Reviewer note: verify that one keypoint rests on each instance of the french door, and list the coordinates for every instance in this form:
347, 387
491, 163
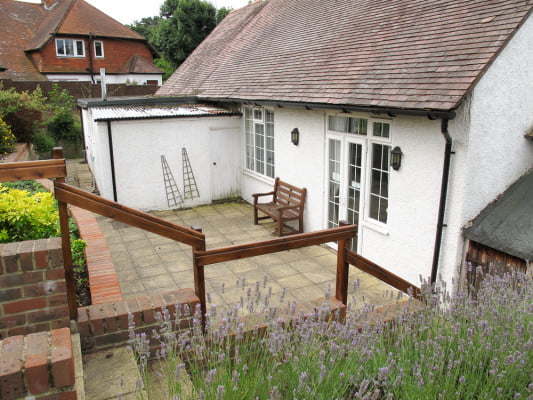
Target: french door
346, 161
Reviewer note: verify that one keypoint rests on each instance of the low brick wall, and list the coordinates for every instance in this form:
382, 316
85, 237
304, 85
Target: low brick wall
33, 294
40, 365
103, 326
103, 279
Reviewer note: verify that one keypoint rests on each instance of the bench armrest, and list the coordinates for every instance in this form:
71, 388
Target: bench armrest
257, 195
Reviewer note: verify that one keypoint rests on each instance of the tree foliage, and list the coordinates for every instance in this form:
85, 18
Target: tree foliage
179, 29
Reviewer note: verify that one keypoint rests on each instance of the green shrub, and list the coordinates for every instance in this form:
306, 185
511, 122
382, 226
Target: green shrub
43, 143
62, 126
7, 139
60, 99
29, 186
23, 112
77, 247
25, 216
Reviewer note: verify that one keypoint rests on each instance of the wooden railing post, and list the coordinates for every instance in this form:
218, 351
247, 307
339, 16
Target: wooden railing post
65, 243
199, 278
341, 286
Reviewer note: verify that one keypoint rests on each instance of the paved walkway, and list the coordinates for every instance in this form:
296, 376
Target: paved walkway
147, 263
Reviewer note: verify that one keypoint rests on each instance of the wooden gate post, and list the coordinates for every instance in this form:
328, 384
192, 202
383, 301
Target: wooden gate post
65, 244
199, 279
341, 286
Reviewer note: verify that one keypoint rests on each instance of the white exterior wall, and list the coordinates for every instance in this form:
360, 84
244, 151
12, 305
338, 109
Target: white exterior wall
490, 149
97, 153
137, 79
137, 149
405, 246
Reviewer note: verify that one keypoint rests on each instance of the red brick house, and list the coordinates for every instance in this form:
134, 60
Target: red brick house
70, 40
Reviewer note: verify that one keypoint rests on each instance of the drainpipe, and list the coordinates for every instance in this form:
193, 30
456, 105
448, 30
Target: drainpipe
112, 159
91, 67
443, 194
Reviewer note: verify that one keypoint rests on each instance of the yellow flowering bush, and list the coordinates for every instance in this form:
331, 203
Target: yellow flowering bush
7, 139
26, 216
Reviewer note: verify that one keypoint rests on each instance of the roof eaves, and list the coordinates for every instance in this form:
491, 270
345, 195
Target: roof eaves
377, 110
140, 100
222, 114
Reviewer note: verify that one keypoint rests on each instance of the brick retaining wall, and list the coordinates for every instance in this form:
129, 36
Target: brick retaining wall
33, 294
102, 326
40, 365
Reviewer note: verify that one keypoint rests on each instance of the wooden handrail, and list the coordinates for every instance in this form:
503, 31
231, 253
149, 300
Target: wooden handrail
274, 245
139, 219
66, 194
19, 171
382, 274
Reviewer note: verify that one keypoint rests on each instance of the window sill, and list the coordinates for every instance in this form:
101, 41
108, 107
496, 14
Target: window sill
259, 177
376, 227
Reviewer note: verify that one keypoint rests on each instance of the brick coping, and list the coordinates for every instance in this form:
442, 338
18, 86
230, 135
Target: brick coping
103, 279
21, 153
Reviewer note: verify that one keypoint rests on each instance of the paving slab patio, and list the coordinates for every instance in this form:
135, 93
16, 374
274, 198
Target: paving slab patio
146, 263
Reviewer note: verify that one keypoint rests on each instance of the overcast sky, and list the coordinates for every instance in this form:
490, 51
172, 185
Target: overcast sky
127, 11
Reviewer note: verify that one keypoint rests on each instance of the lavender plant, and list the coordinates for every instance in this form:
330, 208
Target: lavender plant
454, 347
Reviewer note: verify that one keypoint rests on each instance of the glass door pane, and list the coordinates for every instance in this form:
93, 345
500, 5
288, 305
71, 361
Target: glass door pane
354, 172
334, 182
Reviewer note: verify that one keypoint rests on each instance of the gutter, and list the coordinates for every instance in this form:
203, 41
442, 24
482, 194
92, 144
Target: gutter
391, 111
443, 196
112, 160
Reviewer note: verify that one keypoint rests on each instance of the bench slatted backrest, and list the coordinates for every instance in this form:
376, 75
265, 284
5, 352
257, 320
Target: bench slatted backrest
287, 194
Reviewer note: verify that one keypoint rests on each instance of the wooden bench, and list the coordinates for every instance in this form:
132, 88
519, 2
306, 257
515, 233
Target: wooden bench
287, 204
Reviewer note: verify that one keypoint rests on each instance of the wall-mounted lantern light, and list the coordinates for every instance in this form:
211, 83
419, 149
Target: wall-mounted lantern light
295, 136
396, 158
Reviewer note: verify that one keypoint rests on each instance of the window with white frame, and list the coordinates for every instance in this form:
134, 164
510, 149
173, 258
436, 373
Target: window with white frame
259, 132
98, 49
70, 48
355, 133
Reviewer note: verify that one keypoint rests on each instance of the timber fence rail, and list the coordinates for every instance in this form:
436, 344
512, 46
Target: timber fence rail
66, 194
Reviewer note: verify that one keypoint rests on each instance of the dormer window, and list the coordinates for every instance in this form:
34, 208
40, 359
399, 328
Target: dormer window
99, 49
70, 48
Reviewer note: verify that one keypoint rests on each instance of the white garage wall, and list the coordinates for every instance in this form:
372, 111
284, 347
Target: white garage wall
138, 146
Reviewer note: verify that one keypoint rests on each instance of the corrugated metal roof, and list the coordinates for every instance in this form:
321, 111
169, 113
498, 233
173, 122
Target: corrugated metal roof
156, 111
507, 223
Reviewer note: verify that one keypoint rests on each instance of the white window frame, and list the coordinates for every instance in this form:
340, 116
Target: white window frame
259, 154
101, 42
369, 139
75, 49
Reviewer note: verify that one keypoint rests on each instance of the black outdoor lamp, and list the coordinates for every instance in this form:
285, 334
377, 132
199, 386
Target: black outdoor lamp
396, 158
295, 136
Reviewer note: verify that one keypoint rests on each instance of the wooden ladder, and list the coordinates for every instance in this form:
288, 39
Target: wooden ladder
190, 189
174, 197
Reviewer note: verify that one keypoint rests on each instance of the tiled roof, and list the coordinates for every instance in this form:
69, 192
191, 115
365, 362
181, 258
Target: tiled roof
411, 54
77, 17
27, 26
19, 21
140, 65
